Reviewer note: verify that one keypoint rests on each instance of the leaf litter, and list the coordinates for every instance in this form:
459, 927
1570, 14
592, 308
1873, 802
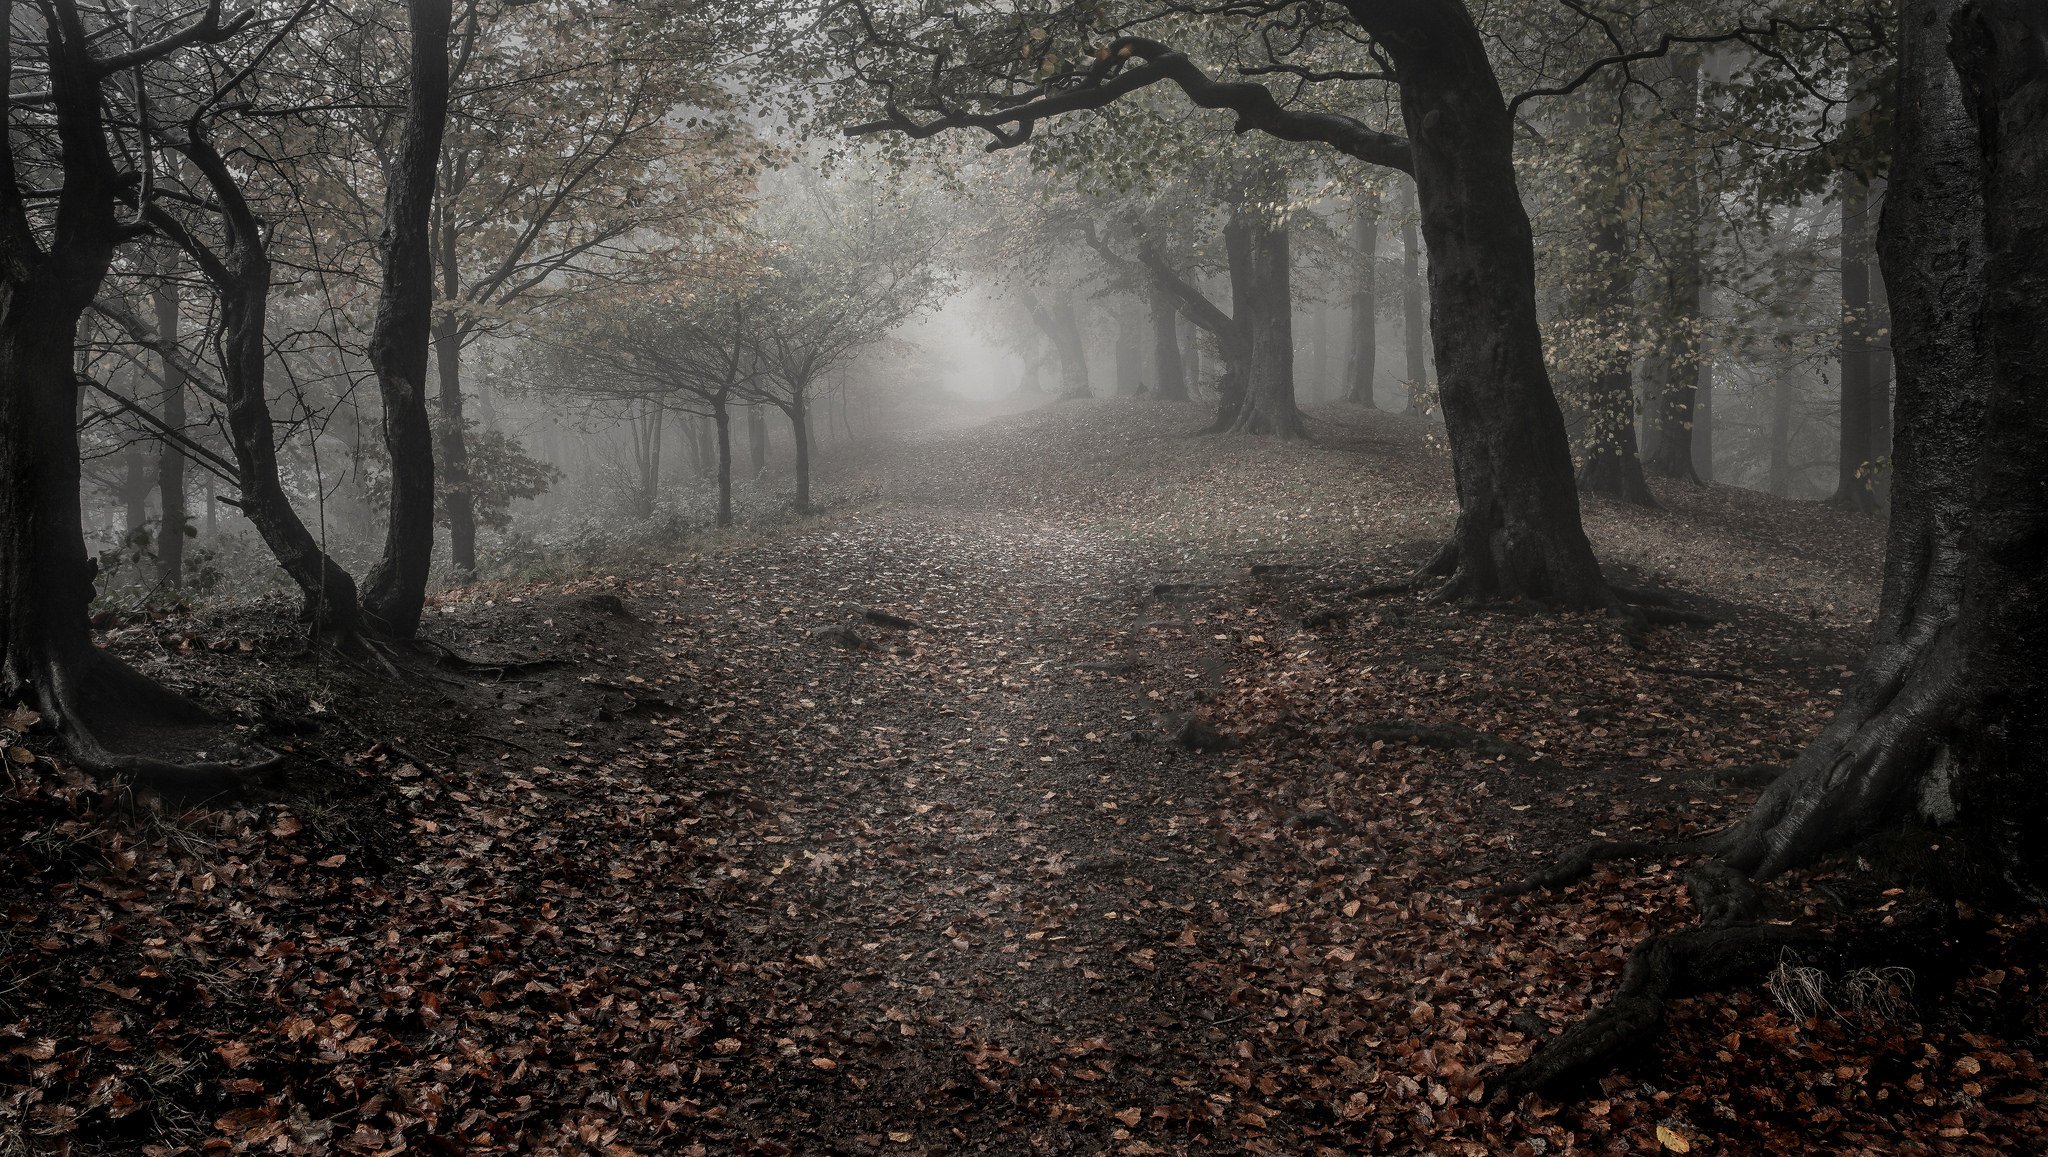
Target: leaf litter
721, 884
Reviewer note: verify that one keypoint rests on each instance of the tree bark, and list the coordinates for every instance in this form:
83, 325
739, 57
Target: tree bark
1168, 371
395, 594
1518, 532
1363, 362
1856, 477
1895, 750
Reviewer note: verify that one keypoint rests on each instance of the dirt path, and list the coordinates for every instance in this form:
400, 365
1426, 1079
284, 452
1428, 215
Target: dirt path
727, 884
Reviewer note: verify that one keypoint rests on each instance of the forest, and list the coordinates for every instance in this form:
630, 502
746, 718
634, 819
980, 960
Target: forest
1024, 576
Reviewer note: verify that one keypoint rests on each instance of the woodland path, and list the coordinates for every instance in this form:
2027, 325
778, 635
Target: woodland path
722, 884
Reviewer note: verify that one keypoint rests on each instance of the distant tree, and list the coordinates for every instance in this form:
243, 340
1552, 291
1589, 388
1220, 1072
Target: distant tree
841, 274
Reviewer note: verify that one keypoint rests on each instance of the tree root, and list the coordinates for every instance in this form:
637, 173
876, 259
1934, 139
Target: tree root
509, 669
882, 618
1577, 863
111, 717
1728, 950
1451, 736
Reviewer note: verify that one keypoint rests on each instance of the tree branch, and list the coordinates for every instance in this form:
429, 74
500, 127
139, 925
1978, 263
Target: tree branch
1113, 77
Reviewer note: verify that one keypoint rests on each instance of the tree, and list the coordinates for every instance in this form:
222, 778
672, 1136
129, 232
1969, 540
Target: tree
565, 156
53, 257
844, 273
1363, 361
1941, 727
396, 591
1518, 532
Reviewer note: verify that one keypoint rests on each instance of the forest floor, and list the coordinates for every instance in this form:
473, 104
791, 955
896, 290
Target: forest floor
753, 873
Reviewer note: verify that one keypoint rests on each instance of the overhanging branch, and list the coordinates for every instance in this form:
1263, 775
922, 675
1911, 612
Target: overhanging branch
1114, 76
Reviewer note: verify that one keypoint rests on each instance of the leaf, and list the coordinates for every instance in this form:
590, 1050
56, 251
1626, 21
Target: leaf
1673, 1140
20, 719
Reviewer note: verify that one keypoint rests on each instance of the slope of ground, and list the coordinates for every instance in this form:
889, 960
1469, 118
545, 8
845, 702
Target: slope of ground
756, 871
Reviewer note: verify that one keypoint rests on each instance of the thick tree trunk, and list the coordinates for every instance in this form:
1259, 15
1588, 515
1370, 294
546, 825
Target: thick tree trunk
458, 503
1267, 405
1999, 784
1518, 532
1856, 476
1168, 371
1363, 362
395, 594
1673, 389
1899, 746
1191, 356
722, 417
1414, 331
170, 464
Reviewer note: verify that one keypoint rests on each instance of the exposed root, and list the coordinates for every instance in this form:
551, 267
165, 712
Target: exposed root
1577, 863
1715, 958
117, 721
1195, 734
507, 669
882, 618
1451, 736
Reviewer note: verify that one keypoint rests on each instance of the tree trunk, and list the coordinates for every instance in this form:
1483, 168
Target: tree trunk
1130, 351
1611, 467
242, 278
799, 428
106, 711
1168, 370
1927, 729
1072, 347
1779, 480
1234, 333
170, 464
1414, 336
1363, 361
722, 417
458, 504
1518, 532
1318, 349
757, 440
1191, 356
1674, 388
137, 480
1267, 405
397, 588
1855, 479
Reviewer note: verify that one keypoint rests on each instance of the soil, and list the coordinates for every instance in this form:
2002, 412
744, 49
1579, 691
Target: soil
1108, 853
